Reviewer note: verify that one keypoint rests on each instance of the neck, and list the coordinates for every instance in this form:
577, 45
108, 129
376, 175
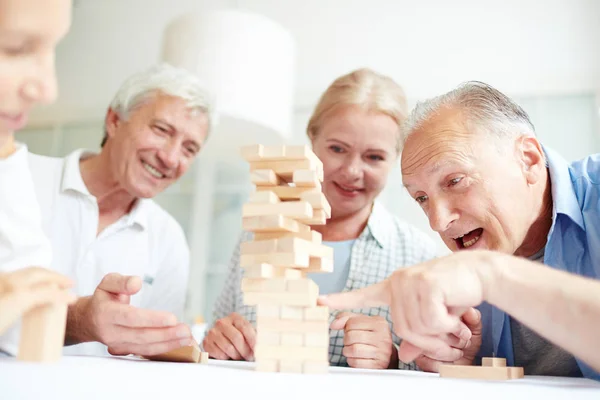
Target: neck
7, 145
113, 200
344, 227
536, 236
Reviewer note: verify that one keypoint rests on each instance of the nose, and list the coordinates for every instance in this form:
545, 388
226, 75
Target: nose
42, 86
440, 215
353, 169
169, 154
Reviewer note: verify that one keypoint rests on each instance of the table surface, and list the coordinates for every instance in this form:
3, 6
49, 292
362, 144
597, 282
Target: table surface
133, 378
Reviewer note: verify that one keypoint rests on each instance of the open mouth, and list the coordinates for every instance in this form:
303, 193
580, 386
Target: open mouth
153, 171
468, 239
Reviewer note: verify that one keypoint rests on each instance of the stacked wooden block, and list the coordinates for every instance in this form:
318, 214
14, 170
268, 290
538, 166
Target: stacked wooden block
292, 331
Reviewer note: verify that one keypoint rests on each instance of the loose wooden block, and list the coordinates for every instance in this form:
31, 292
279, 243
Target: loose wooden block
264, 196
272, 223
203, 357
285, 169
291, 326
288, 192
307, 178
266, 365
291, 353
292, 339
315, 367
480, 372
284, 299
189, 354
264, 177
290, 209
316, 339
312, 236
317, 313
319, 218
318, 201
268, 338
320, 264
288, 260
272, 285
43, 334
493, 362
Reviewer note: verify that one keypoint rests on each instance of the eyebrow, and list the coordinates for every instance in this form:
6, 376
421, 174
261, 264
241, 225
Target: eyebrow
348, 145
172, 128
434, 169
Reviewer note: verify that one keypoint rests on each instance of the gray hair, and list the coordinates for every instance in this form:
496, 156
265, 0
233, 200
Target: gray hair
483, 105
166, 79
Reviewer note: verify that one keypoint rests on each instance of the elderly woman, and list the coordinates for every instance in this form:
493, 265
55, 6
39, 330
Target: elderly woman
355, 131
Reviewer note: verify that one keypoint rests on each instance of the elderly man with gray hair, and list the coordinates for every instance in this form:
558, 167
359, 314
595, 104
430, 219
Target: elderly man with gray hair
505, 205
128, 257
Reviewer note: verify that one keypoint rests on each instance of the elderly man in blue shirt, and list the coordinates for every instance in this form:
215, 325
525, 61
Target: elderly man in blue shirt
472, 161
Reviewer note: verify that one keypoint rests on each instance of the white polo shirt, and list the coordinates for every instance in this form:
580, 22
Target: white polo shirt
148, 242
23, 242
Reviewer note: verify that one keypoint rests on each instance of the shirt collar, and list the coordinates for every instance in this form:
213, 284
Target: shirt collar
564, 200
379, 225
72, 181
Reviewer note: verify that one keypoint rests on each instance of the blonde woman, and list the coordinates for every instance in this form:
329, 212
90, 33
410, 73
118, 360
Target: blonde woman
29, 32
355, 131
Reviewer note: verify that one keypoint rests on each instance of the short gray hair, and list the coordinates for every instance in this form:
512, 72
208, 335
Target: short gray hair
166, 79
483, 105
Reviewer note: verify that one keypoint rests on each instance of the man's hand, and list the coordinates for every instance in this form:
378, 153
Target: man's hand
367, 341
107, 317
26, 289
469, 347
427, 301
231, 338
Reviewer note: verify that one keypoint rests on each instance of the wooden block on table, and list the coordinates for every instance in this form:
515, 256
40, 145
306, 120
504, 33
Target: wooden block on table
292, 339
493, 362
291, 326
272, 285
264, 197
291, 353
291, 366
318, 201
290, 209
264, 177
317, 313
316, 339
288, 260
319, 218
320, 264
203, 357
312, 236
307, 178
43, 334
272, 223
269, 271
266, 365
288, 192
284, 299
268, 338
189, 354
315, 367
480, 372
285, 169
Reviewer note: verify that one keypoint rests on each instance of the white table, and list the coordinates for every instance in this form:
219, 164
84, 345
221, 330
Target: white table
131, 378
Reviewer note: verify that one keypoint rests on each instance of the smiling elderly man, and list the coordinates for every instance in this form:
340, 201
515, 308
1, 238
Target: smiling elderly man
504, 204
128, 257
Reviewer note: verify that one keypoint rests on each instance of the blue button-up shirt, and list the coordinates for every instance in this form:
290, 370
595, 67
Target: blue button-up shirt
573, 243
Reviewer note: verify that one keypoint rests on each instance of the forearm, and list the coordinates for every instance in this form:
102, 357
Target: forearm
562, 307
77, 330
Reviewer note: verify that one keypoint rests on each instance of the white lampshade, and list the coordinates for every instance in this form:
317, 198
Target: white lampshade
248, 62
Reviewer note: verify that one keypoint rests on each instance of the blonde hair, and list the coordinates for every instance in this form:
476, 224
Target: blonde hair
367, 89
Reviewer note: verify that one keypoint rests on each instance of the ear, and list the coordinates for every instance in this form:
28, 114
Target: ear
531, 157
111, 122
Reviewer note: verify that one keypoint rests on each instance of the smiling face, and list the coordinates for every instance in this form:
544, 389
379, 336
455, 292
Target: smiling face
155, 145
29, 33
358, 149
475, 189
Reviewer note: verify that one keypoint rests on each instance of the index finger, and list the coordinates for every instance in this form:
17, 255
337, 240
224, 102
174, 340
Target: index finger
375, 295
132, 317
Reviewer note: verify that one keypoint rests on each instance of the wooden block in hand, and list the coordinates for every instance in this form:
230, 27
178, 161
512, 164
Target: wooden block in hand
189, 354
43, 334
480, 372
493, 362
290, 209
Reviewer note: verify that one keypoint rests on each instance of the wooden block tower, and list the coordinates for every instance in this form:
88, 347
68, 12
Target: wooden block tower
292, 331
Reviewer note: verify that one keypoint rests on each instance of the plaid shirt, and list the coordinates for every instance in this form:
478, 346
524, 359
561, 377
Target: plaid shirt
385, 245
